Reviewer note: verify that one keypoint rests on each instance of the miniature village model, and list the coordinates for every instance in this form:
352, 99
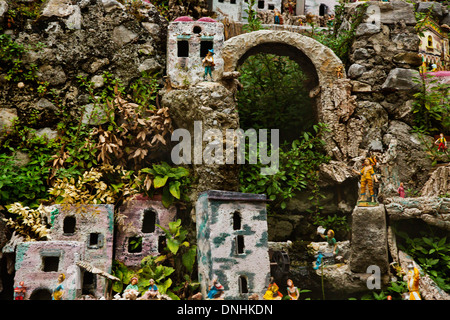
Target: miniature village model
86, 238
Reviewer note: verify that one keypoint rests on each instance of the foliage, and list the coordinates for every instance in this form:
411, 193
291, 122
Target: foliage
28, 222
181, 255
169, 179
432, 253
431, 105
395, 290
113, 185
253, 21
173, 267
430, 149
340, 40
274, 96
339, 224
298, 171
11, 54
135, 127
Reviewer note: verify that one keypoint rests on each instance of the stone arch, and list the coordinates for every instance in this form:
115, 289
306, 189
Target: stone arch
237, 49
329, 86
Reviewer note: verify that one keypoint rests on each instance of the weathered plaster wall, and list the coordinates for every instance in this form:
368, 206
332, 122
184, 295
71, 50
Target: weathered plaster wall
217, 247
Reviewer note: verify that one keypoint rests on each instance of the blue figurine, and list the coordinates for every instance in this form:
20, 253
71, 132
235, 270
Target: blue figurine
318, 261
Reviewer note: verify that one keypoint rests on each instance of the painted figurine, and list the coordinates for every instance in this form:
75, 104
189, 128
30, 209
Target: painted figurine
19, 291
58, 292
441, 142
413, 282
152, 292
132, 290
215, 290
318, 261
272, 292
208, 63
401, 190
292, 290
367, 177
276, 16
331, 240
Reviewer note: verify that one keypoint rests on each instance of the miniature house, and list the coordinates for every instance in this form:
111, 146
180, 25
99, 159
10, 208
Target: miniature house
232, 242
434, 47
78, 233
188, 43
39, 263
236, 9
144, 238
320, 7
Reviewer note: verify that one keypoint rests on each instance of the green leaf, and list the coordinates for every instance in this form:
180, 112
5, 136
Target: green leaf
160, 181
174, 188
173, 245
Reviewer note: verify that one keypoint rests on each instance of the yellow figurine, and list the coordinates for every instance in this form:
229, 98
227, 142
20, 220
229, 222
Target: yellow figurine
59, 290
272, 292
413, 282
367, 177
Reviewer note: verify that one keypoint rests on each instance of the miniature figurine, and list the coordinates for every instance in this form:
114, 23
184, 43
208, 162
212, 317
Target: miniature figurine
331, 240
318, 261
292, 290
441, 142
19, 291
152, 292
58, 292
367, 174
276, 15
132, 290
413, 282
215, 289
272, 292
401, 190
208, 63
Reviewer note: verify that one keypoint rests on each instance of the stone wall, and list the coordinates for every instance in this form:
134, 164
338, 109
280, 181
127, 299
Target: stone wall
80, 38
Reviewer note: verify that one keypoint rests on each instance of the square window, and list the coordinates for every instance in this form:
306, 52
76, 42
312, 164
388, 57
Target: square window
50, 263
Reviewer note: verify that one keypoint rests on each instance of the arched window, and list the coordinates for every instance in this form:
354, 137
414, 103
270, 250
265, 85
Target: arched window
430, 41
69, 224
237, 221
243, 285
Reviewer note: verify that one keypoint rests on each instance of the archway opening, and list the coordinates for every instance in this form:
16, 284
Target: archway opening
277, 79
41, 294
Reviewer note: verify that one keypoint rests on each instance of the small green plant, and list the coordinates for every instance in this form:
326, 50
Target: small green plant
432, 253
253, 21
298, 171
169, 180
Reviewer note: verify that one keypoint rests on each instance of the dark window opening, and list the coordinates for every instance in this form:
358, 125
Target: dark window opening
89, 283
240, 244
322, 9
233, 1
149, 221
243, 286
260, 4
183, 48
197, 29
236, 221
135, 244
94, 239
221, 1
271, 7
69, 225
41, 294
205, 46
50, 263
161, 243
